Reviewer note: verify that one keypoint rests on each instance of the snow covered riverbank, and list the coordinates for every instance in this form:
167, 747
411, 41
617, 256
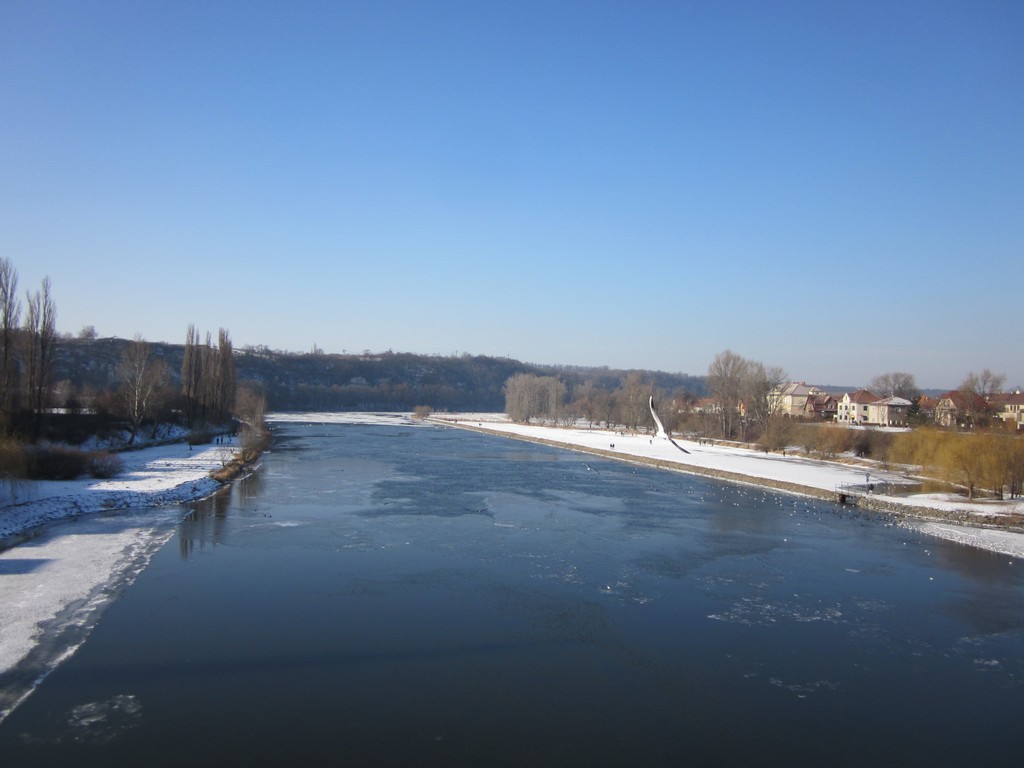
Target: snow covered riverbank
158, 476
63, 574
793, 474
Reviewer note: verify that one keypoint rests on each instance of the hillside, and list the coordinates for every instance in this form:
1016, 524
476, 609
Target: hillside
387, 381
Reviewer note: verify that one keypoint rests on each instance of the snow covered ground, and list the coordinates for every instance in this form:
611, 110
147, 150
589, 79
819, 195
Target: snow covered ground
167, 474
789, 472
55, 570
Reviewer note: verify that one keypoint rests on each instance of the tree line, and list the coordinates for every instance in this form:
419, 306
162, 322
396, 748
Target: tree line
145, 392
731, 381
989, 460
28, 335
531, 396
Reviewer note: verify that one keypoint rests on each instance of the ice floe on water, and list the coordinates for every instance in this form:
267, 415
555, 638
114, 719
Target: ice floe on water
350, 417
757, 610
99, 722
803, 690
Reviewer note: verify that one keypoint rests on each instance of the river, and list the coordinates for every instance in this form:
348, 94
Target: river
413, 595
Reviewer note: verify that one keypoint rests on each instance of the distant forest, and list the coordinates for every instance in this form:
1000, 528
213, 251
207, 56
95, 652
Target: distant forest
386, 381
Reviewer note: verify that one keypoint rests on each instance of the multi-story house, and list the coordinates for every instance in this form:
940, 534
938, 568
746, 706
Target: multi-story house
956, 408
889, 412
792, 399
853, 407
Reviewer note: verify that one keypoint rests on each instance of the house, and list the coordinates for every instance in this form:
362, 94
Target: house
821, 407
853, 408
889, 412
1009, 407
956, 408
926, 407
707, 405
791, 398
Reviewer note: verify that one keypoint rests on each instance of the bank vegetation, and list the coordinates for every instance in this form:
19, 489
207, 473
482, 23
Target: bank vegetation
59, 431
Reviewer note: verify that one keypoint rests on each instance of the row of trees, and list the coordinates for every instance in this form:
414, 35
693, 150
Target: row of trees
208, 378
531, 396
733, 380
144, 391
208, 383
990, 461
26, 351
528, 396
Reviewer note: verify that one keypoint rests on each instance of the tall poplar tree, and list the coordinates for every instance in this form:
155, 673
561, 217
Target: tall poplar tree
39, 340
191, 376
10, 316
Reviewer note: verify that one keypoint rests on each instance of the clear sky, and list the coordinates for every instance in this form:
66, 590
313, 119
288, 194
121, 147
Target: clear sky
833, 188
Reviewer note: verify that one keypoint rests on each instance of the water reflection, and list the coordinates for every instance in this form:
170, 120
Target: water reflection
909, 488
978, 565
207, 523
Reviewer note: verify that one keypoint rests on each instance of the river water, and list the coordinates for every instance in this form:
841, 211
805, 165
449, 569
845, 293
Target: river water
408, 595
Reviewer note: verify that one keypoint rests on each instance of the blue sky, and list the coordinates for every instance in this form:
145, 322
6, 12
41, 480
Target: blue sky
834, 188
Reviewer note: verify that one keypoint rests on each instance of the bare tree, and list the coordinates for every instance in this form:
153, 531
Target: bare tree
552, 397
528, 395
895, 384
634, 398
984, 384
208, 376
191, 375
226, 380
39, 339
584, 401
10, 315
760, 381
251, 408
606, 406
977, 389
143, 380
726, 375
521, 397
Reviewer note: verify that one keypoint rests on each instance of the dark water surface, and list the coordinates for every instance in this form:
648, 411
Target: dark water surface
415, 596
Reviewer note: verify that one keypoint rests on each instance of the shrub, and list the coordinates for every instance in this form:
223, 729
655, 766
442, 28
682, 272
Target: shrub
833, 440
872, 444
104, 466
200, 437
55, 463
806, 436
777, 434
13, 463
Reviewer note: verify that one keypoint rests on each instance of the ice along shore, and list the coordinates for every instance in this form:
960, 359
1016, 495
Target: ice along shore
68, 546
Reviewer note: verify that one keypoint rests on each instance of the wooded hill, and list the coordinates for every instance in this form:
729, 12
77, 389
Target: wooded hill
386, 381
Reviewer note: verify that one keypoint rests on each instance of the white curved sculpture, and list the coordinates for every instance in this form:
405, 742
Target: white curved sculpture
661, 429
